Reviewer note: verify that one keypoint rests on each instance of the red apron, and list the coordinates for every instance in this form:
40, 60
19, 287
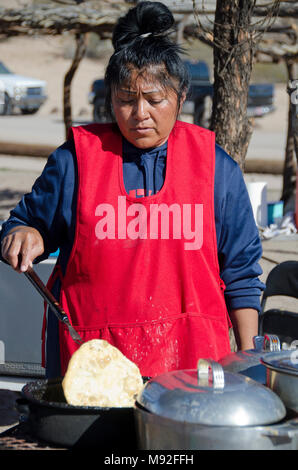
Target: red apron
143, 272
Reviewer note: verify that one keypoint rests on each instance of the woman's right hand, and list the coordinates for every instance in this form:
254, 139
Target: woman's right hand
21, 246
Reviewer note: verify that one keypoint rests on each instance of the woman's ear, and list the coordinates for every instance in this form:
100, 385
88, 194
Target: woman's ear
181, 102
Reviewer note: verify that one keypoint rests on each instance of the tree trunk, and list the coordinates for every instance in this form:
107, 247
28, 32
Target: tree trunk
79, 54
233, 54
289, 171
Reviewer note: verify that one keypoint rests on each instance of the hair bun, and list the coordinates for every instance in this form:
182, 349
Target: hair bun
146, 17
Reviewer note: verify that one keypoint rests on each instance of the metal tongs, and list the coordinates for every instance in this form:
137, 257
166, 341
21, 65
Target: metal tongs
52, 302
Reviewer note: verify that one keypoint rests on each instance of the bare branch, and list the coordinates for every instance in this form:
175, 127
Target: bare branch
50, 20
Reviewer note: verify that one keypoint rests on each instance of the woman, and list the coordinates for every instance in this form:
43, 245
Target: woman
151, 217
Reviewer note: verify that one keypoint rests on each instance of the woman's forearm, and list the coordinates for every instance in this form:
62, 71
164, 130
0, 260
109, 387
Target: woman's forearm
245, 325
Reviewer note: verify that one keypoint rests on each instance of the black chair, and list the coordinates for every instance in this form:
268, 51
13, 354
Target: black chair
282, 280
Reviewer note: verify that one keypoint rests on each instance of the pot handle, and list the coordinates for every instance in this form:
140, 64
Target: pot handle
210, 371
267, 342
289, 431
271, 342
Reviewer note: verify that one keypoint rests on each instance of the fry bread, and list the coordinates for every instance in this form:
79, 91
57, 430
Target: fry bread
98, 374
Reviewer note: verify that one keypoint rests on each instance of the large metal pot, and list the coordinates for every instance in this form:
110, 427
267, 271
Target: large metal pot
52, 420
210, 408
282, 376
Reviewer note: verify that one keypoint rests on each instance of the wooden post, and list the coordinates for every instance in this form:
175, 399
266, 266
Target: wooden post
233, 54
289, 170
79, 54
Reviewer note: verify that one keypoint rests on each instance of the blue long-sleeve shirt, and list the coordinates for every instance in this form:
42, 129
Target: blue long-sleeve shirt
51, 208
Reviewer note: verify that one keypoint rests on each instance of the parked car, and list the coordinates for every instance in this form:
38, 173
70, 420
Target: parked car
96, 97
198, 103
25, 93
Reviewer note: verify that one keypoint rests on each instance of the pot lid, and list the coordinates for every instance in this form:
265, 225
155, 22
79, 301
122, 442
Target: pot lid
248, 362
211, 396
283, 361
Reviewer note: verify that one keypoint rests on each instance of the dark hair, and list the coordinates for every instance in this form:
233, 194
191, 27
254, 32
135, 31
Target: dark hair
141, 41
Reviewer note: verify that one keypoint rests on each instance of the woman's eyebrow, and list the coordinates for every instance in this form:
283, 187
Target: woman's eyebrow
130, 92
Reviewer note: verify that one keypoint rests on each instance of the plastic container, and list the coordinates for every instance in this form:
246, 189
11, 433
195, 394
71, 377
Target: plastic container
275, 212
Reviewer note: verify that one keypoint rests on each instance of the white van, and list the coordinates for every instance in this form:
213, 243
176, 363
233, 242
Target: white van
24, 93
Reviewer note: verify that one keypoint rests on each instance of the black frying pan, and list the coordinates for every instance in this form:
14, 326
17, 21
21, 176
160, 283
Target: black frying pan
51, 419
